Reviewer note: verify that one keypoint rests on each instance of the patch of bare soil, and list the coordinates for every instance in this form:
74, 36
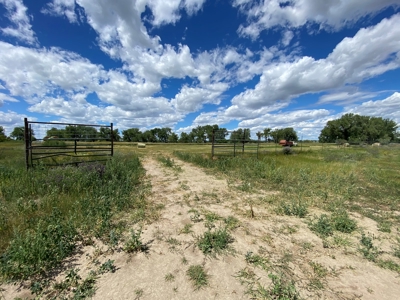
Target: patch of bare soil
270, 256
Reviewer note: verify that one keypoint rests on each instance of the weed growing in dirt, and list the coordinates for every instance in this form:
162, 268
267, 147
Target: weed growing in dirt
108, 266
390, 265
294, 208
134, 243
197, 276
168, 162
369, 251
231, 223
385, 226
169, 277
187, 229
215, 242
396, 251
342, 222
322, 226
257, 260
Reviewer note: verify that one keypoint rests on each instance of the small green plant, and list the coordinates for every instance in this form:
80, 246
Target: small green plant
198, 276
72, 277
36, 288
342, 222
390, 265
322, 226
187, 229
108, 266
87, 288
281, 289
256, 260
369, 251
396, 251
135, 244
184, 261
231, 223
294, 208
169, 277
385, 226
214, 241
139, 293
168, 162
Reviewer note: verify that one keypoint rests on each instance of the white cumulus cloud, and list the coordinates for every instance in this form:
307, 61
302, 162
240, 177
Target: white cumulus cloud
21, 28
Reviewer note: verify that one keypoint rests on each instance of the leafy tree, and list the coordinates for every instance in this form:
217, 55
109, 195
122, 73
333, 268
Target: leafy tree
19, 134
288, 134
132, 135
356, 128
240, 135
173, 138
163, 134
105, 134
267, 133
185, 138
60, 133
2, 134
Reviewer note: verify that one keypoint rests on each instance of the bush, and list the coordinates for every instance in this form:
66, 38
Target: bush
342, 222
322, 226
287, 150
54, 143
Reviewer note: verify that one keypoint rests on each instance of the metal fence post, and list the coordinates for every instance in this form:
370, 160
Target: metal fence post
112, 140
26, 137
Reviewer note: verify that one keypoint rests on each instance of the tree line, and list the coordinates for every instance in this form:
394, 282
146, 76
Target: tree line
350, 128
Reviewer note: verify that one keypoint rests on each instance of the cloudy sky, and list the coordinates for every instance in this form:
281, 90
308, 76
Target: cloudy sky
183, 63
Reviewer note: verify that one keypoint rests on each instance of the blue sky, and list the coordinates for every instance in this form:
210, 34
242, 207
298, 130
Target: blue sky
184, 63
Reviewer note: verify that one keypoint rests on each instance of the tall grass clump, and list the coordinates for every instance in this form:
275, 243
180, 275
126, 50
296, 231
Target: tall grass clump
53, 208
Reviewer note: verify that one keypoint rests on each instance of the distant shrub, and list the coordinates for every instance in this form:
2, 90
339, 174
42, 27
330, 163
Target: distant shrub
287, 150
54, 143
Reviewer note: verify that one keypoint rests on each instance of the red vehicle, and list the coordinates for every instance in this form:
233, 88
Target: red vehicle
285, 143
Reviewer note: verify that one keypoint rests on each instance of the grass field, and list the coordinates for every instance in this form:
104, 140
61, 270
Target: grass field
46, 214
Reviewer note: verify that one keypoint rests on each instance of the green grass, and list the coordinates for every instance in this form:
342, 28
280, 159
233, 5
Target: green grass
215, 242
44, 212
316, 178
197, 276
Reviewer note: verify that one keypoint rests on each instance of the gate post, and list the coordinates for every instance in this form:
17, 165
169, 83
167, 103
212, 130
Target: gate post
26, 137
213, 141
112, 140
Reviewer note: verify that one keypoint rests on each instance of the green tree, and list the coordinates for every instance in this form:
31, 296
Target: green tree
173, 138
132, 135
60, 133
267, 133
2, 134
185, 138
356, 128
288, 134
240, 135
19, 134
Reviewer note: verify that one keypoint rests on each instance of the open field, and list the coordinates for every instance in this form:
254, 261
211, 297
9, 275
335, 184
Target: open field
169, 222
